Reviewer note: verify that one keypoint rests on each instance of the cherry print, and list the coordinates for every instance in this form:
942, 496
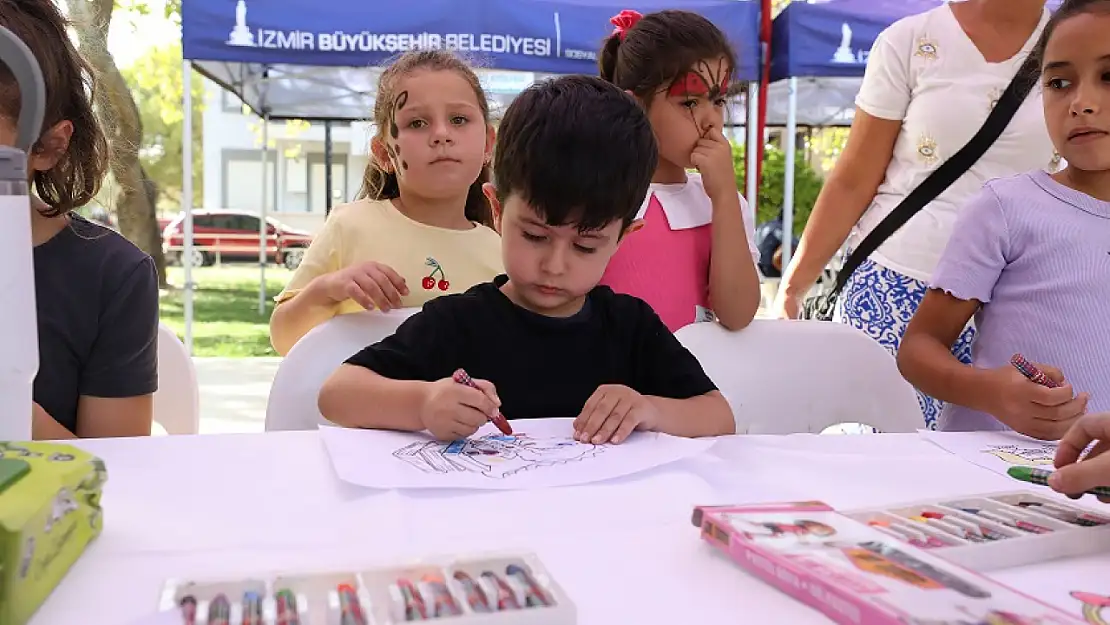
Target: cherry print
429, 281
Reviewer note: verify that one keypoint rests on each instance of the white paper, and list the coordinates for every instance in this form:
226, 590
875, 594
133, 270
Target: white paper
996, 451
1080, 586
540, 453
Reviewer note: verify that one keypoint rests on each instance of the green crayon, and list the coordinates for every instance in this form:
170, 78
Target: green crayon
1040, 478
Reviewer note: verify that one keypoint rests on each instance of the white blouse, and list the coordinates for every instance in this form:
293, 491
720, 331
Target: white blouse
926, 72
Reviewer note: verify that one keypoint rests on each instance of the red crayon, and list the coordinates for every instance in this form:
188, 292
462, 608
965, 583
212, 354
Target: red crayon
462, 377
1031, 371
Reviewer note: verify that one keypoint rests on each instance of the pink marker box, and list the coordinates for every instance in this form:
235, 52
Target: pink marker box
858, 575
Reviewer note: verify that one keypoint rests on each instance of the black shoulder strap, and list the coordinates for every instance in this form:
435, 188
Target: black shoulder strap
949, 171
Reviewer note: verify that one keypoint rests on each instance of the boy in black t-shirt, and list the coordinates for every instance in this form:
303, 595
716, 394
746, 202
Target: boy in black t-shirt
573, 162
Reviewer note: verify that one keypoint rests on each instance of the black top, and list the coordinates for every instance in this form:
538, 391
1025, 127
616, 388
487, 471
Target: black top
541, 366
97, 298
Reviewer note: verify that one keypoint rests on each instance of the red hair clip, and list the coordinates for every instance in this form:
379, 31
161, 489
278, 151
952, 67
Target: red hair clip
624, 21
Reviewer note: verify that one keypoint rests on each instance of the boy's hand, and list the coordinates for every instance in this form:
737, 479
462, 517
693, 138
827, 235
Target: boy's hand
1034, 410
452, 411
612, 413
712, 156
371, 284
1076, 476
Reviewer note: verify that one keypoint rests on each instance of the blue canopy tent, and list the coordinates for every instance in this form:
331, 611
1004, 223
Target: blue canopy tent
819, 53
319, 60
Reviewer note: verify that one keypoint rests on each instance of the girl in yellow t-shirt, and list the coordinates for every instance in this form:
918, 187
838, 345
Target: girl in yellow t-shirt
421, 228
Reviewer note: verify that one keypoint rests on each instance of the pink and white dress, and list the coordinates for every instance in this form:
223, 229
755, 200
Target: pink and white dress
666, 262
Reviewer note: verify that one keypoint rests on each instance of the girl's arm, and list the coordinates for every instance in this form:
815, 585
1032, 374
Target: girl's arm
925, 356
734, 291
296, 316
304, 303
846, 195
45, 428
704, 415
99, 417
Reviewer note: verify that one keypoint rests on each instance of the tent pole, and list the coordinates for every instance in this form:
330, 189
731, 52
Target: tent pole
327, 168
187, 199
264, 235
751, 152
790, 141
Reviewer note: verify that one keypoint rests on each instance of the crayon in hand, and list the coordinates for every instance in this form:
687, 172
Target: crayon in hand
1040, 478
1030, 371
498, 419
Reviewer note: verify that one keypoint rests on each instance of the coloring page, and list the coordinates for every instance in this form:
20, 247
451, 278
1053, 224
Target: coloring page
996, 451
1079, 586
540, 453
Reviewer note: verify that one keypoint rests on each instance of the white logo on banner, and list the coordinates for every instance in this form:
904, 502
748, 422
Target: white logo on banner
241, 34
845, 54
365, 41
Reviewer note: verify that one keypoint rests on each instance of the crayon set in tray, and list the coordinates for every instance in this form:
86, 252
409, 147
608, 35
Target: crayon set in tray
997, 531
512, 590
912, 563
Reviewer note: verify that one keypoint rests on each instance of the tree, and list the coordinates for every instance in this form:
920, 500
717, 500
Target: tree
119, 116
155, 81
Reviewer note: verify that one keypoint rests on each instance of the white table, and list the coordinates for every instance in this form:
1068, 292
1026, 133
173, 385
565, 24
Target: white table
211, 505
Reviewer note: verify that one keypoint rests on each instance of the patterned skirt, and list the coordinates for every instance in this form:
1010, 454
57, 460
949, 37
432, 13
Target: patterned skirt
881, 302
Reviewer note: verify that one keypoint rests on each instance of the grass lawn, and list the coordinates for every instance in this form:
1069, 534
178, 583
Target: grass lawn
225, 309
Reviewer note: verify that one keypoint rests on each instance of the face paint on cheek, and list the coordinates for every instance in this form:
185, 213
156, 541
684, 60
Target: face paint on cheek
398, 104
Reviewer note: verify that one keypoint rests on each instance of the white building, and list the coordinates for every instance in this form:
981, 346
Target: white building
295, 180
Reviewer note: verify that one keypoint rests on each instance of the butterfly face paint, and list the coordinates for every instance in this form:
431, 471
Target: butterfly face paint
392, 147
706, 79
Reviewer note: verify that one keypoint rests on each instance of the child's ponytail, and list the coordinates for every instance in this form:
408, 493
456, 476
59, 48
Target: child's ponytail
380, 184
607, 60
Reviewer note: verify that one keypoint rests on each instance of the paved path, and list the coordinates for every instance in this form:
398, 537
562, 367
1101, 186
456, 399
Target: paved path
233, 393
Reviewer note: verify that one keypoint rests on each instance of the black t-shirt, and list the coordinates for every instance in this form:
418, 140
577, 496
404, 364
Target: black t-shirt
97, 298
541, 366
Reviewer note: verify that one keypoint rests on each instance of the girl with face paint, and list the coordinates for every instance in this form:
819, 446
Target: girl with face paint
692, 256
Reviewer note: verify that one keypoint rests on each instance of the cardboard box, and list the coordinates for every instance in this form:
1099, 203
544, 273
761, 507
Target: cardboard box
49, 513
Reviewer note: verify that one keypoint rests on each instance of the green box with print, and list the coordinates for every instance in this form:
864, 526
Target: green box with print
49, 513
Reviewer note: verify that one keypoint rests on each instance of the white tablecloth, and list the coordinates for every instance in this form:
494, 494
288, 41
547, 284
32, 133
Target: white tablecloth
211, 505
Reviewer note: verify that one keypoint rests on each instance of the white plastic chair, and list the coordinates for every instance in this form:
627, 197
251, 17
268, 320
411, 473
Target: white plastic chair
292, 402
784, 377
177, 400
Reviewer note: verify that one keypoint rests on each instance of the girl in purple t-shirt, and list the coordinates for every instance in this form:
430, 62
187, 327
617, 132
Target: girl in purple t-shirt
1030, 259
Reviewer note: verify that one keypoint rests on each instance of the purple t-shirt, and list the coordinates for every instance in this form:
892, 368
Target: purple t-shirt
1037, 254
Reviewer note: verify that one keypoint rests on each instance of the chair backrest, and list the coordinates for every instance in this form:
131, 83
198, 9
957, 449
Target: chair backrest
784, 377
292, 403
177, 400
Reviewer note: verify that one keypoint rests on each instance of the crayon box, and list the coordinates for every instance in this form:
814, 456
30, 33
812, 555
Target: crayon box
49, 512
863, 574
486, 589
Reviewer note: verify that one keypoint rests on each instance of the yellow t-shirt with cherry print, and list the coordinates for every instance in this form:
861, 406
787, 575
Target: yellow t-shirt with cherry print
433, 261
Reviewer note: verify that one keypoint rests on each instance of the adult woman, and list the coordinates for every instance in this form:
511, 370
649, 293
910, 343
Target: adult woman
931, 81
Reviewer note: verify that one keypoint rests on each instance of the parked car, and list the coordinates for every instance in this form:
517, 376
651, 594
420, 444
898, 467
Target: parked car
228, 235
